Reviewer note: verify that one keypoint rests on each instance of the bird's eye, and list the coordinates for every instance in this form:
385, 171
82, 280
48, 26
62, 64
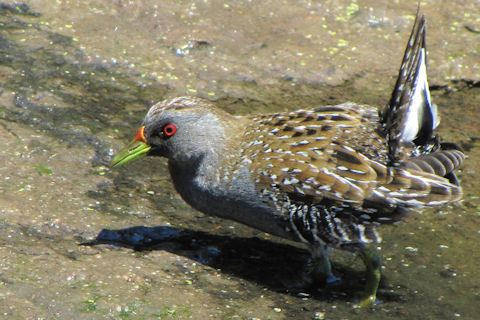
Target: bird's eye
169, 130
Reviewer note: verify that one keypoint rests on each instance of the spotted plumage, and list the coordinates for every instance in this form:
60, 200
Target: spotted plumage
327, 176
326, 170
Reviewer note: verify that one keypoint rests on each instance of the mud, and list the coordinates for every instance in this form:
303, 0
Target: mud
80, 241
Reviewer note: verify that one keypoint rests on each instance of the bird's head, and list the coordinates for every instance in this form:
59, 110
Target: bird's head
182, 129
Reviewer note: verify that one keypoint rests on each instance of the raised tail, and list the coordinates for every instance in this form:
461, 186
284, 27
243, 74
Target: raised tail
423, 172
409, 120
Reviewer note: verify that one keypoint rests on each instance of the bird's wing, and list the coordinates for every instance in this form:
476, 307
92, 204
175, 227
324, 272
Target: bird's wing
315, 154
333, 153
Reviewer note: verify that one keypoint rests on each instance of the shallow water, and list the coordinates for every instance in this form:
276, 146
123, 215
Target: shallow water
76, 80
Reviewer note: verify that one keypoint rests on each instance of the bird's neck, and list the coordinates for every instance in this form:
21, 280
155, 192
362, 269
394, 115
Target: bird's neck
223, 187
235, 198
204, 178
210, 182
200, 184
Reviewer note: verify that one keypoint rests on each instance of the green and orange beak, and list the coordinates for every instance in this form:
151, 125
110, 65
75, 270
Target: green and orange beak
135, 150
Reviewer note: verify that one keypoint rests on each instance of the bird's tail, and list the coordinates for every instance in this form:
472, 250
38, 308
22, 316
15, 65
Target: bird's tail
422, 168
410, 118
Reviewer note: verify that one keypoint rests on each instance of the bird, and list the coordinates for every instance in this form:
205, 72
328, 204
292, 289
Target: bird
326, 177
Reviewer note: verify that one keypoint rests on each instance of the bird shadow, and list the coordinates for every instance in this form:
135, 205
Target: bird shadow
276, 266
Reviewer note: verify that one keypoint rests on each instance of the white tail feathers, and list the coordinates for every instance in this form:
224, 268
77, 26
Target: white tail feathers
410, 118
419, 112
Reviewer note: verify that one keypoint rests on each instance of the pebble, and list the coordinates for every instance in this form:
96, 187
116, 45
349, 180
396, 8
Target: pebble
319, 315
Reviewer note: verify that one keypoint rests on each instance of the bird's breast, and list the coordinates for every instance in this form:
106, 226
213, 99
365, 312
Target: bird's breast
236, 199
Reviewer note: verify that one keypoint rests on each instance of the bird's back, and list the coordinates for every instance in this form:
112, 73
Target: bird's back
329, 166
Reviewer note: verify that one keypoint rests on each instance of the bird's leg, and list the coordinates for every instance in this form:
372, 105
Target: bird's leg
373, 264
319, 268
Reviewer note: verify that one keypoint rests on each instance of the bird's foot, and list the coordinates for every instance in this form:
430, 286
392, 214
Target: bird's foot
318, 271
373, 265
331, 280
368, 301
319, 268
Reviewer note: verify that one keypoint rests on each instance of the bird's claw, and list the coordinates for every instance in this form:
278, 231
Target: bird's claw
368, 302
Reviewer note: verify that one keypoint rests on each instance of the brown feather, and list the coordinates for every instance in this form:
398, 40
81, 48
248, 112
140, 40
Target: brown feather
334, 152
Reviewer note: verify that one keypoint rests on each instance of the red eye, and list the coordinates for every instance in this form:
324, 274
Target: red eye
169, 130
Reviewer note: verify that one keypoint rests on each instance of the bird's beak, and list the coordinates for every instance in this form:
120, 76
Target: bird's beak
135, 150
